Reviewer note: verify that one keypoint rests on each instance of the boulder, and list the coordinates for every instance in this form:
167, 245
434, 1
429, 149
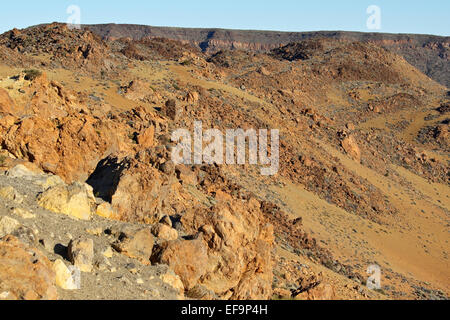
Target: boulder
187, 258
138, 90
239, 244
136, 190
138, 245
75, 200
64, 277
105, 210
81, 254
172, 280
70, 149
8, 226
164, 232
21, 171
351, 148
146, 139
38, 177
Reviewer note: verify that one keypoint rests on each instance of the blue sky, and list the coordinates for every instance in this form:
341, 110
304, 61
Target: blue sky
397, 16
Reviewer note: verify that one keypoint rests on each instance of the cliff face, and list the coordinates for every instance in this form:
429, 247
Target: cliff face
430, 54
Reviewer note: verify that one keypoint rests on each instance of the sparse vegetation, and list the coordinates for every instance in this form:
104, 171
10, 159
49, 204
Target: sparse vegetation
2, 160
186, 62
32, 74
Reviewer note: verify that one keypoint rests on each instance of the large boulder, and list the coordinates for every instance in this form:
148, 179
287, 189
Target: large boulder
81, 253
187, 258
75, 200
136, 190
136, 245
70, 147
64, 277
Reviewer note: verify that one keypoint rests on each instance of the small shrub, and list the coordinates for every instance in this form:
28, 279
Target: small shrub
2, 160
32, 74
186, 62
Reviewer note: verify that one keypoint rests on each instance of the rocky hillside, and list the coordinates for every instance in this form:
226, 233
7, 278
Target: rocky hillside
429, 54
87, 180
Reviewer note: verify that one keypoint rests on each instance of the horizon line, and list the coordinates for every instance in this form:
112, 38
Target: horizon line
237, 29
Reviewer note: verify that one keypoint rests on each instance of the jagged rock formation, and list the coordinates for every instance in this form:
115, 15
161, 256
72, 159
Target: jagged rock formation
428, 53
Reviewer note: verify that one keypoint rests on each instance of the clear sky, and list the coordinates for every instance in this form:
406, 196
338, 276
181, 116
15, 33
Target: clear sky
397, 16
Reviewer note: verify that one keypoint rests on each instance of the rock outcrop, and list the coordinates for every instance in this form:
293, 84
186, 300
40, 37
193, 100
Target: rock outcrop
137, 190
231, 256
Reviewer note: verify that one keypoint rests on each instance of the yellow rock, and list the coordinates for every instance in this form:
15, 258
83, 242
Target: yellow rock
164, 232
105, 210
81, 253
11, 194
96, 232
74, 200
49, 181
7, 226
21, 171
173, 280
64, 278
25, 214
108, 253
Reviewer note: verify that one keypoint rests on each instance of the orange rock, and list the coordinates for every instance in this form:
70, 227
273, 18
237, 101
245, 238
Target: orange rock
137, 246
6, 103
138, 90
351, 148
321, 292
164, 232
25, 273
192, 97
186, 175
137, 191
239, 243
146, 138
186, 258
